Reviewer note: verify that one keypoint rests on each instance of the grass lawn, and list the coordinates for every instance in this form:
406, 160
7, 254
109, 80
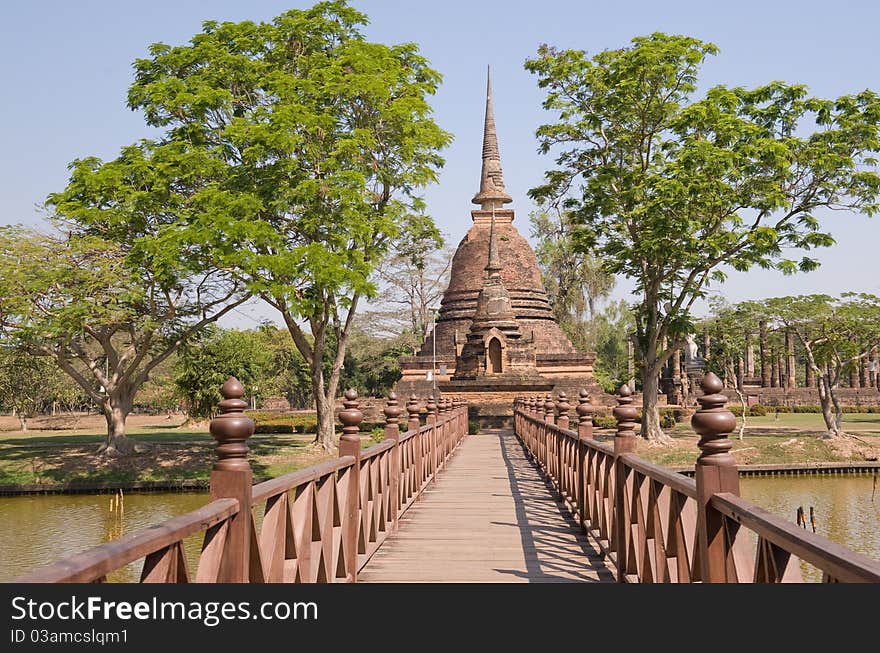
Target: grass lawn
54, 456
792, 438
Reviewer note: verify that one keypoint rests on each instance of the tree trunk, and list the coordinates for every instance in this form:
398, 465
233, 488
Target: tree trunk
326, 435
765, 352
742, 402
22, 420
827, 402
774, 371
116, 410
651, 429
838, 411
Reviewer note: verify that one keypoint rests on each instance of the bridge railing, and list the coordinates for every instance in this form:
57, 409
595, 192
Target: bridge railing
655, 525
319, 525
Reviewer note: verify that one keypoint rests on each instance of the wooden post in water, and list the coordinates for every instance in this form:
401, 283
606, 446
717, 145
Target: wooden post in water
350, 445
624, 442
715, 471
392, 432
232, 478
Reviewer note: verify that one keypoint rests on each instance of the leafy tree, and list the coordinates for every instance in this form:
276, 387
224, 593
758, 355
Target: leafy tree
608, 334
205, 363
836, 334
324, 139
160, 394
106, 312
668, 189
728, 328
371, 363
287, 373
574, 278
28, 383
412, 278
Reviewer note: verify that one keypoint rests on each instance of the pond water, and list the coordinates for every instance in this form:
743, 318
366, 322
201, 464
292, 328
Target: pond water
38, 529
846, 507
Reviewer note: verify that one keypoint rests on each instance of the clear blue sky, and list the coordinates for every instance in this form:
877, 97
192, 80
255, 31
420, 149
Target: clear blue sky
66, 66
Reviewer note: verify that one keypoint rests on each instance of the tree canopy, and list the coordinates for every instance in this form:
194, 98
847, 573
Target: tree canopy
97, 302
671, 188
322, 140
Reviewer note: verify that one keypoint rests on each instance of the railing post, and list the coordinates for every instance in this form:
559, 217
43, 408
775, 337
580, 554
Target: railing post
585, 432
350, 445
715, 471
392, 432
549, 407
412, 409
562, 408
232, 478
624, 442
462, 419
443, 425
550, 458
416, 446
432, 438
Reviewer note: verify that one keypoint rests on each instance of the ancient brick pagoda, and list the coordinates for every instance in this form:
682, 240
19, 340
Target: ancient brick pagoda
496, 336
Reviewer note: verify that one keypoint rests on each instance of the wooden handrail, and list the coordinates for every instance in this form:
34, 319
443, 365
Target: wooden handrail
97, 562
673, 528
678, 482
376, 449
287, 482
321, 524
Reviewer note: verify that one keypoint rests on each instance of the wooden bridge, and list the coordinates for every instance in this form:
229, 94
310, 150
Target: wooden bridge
542, 503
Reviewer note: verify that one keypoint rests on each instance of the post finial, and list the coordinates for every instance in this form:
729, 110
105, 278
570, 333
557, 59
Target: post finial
625, 413
232, 428
392, 410
584, 410
351, 417
713, 423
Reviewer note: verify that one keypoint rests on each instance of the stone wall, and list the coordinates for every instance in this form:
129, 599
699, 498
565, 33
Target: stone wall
805, 396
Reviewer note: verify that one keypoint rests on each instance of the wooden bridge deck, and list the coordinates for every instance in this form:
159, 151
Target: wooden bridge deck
490, 517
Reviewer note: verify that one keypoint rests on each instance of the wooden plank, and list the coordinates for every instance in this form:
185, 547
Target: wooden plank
490, 517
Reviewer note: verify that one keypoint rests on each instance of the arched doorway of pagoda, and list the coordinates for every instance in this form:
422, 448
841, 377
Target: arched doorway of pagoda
495, 365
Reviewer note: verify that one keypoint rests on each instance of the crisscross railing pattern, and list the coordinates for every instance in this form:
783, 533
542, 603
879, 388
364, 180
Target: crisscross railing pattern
319, 525
658, 526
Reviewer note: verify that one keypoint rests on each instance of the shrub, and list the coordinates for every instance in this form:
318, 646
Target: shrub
757, 410
473, 426
604, 422
270, 427
378, 434
780, 409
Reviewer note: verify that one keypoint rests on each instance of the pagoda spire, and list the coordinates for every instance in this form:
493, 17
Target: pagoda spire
493, 267
492, 193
